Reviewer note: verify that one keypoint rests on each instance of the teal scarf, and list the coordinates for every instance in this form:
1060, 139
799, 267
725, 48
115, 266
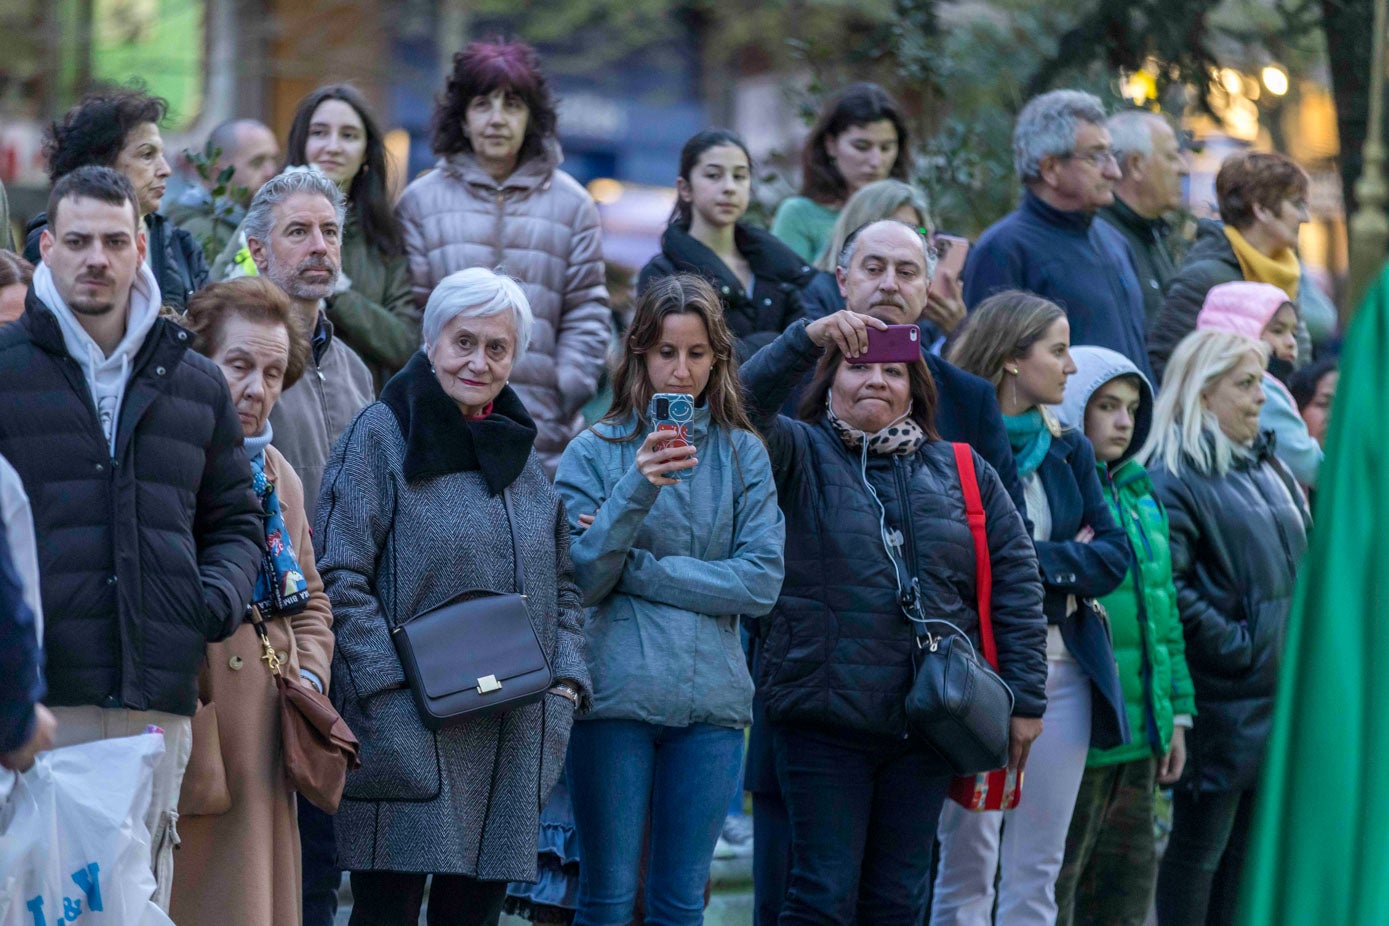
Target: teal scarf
1031, 439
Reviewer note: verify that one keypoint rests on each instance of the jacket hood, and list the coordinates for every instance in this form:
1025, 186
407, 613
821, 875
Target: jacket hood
1240, 308
1096, 366
529, 174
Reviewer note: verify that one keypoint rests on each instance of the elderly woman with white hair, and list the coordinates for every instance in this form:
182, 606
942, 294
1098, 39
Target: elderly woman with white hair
432, 494
1239, 528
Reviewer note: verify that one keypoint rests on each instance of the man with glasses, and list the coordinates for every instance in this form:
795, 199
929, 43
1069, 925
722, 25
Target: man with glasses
1263, 202
1153, 167
1050, 245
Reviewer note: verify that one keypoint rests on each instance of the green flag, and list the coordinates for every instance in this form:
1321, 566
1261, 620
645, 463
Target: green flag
1319, 853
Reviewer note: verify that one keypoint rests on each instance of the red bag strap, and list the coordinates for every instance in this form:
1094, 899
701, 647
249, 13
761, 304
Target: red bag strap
983, 571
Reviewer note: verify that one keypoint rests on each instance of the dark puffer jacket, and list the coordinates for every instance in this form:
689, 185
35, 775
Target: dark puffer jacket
838, 649
145, 556
1236, 543
176, 258
778, 276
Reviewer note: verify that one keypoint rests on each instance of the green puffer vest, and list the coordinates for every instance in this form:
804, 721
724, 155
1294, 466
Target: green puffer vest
1148, 642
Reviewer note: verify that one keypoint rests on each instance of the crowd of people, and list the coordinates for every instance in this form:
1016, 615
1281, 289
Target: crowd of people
292, 424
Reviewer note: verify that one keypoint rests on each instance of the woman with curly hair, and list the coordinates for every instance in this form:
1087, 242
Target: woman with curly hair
497, 198
860, 138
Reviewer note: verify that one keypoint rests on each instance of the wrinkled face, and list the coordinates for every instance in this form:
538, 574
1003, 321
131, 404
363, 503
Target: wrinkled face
142, 161
1166, 167
864, 154
1282, 224
1280, 334
1083, 180
473, 358
1318, 411
337, 142
683, 358
94, 250
719, 186
1236, 399
1110, 418
870, 396
304, 253
495, 126
256, 158
12, 302
887, 276
253, 357
1044, 369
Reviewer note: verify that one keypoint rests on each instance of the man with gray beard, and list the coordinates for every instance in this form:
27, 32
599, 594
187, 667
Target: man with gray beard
294, 233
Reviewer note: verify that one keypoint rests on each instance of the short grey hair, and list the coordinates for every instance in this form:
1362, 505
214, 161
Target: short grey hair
477, 293
1046, 127
260, 216
1131, 132
846, 254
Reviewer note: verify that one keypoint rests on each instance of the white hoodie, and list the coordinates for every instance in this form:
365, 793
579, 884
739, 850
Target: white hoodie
106, 375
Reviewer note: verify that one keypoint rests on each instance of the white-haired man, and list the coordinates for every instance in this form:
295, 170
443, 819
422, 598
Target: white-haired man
1050, 245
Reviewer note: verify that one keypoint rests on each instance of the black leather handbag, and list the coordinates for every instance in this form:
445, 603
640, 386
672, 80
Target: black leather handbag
475, 654
957, 702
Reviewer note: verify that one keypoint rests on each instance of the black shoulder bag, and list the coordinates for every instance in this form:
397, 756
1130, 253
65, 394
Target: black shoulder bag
475, 654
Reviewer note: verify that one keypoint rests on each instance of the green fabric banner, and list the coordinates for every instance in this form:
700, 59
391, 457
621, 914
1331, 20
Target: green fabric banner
1319, 853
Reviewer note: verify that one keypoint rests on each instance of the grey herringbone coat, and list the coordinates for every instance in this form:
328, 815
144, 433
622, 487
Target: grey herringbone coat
407, 519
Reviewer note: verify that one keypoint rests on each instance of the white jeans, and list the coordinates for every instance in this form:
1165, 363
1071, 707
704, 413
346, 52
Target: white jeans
1034, 841
88, 724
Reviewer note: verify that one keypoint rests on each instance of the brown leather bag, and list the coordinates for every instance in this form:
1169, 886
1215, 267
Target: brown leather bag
319, 749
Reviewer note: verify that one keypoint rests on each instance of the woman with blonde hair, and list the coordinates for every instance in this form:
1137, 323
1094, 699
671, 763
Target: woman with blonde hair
886, 199
1239, 527
1021, 344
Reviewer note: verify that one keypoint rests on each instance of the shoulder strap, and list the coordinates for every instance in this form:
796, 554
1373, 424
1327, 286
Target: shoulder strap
983, 570
515, 547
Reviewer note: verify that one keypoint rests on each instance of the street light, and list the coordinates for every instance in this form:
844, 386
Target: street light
1275, 79
1369, 227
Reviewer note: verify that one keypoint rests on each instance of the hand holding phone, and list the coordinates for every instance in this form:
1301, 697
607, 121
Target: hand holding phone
893, 344
669, 455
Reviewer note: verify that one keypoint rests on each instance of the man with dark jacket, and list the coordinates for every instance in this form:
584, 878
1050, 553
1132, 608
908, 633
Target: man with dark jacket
119, 128
1152, 165
149, 531
1051, 245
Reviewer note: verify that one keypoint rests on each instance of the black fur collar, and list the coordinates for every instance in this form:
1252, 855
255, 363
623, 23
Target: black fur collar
440, 441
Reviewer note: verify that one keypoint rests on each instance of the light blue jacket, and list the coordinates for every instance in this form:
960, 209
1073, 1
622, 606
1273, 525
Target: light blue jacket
1294, 446
666, 571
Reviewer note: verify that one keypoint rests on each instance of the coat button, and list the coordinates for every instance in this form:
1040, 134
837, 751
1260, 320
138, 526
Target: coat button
236, 662
1155, 284
159, 371
282, 656
766, 301
183, 335
100, 467
725, 290
112, 580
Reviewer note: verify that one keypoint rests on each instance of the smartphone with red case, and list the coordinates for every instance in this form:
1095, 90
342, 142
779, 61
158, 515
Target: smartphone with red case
952, 250
896, 344
672, 412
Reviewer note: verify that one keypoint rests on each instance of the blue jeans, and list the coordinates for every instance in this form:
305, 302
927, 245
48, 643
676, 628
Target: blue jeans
862, 811
624, 774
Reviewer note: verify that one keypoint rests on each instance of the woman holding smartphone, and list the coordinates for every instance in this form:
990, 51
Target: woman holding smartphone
671, 544
759, 279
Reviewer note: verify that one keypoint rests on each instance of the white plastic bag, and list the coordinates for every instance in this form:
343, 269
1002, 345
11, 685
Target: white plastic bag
74, 848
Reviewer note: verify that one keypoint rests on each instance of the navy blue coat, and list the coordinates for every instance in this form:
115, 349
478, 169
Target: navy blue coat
1084, 266
1086, 570
21, 681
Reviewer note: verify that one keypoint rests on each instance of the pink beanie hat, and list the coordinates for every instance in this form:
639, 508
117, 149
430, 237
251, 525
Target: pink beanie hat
1240, 308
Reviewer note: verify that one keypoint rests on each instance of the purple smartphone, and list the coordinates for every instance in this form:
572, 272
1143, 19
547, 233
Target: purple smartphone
898, 344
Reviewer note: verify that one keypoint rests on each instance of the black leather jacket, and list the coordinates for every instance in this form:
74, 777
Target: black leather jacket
1236, 543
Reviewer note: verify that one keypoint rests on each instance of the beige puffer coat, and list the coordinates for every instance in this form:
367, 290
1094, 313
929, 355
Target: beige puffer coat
539, 226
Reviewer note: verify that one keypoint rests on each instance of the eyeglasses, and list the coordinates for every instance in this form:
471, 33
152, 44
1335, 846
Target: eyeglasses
1098, 158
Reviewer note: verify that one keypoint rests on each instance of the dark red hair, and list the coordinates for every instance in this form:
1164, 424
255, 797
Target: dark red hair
480, 70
